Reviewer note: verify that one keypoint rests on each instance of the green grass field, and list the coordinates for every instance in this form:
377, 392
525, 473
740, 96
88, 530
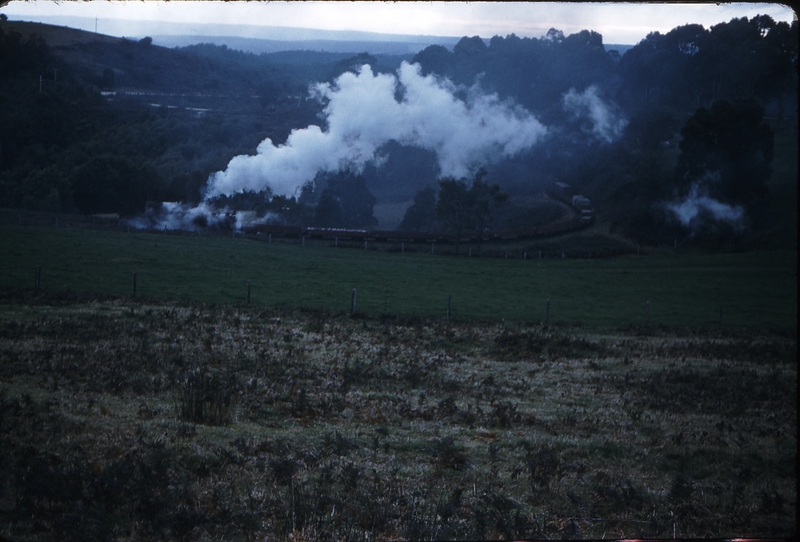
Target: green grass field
758, 289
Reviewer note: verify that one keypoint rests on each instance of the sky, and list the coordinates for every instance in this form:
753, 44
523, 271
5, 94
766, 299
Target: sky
623, 23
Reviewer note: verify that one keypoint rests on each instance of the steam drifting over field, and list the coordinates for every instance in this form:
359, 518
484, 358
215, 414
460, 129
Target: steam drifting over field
366, 110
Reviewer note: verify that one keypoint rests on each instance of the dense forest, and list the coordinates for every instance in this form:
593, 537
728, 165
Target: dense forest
684, 131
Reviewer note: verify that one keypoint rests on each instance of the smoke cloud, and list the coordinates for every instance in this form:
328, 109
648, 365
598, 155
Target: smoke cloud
697, 206
182, 216
606, 124
366, 110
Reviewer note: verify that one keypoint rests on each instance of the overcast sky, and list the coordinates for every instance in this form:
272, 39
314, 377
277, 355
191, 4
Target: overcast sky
625, 23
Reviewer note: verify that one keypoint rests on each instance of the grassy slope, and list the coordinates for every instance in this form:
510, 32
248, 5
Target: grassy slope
56, 36
757, 289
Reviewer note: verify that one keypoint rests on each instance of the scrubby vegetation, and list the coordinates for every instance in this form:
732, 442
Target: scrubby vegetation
183, 421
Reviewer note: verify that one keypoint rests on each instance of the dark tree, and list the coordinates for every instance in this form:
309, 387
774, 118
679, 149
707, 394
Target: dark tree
453, 207
662, 69
329, 212
729, 149
434, 58
469, 46
345, 203
484, 198
462, 208
421, 216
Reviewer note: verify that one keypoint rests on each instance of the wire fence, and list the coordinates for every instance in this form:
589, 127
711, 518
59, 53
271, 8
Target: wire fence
546, 245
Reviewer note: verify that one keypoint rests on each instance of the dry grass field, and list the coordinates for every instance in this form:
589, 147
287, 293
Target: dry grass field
124, 420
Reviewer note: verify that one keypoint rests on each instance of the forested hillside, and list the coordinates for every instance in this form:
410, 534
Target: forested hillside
103, 125
647, 114
112, 125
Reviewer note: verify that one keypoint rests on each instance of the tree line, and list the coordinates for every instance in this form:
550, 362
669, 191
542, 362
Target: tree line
694, 100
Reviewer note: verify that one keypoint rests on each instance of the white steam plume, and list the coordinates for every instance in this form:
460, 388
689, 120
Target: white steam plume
696, 204
182, 216
606, 124
363, 114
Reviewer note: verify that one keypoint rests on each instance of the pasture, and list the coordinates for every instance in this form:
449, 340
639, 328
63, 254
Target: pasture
755, 290
185, 413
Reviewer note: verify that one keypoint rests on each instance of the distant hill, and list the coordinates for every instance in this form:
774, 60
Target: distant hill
256, 39
618, 47
113, 63
95, 123
258, 46
56, 36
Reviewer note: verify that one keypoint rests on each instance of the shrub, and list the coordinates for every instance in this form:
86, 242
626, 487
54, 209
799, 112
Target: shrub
207, 398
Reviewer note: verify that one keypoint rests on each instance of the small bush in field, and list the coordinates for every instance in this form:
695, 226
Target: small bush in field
207, 398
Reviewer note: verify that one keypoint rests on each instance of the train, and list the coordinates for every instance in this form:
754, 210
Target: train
565, 193
560, 191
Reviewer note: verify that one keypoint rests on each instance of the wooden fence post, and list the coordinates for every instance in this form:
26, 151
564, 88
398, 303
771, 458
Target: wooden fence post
336, 242
353, 303
365, 244
547, 313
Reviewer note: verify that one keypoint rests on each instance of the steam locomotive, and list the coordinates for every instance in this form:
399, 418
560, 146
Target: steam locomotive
560, 191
